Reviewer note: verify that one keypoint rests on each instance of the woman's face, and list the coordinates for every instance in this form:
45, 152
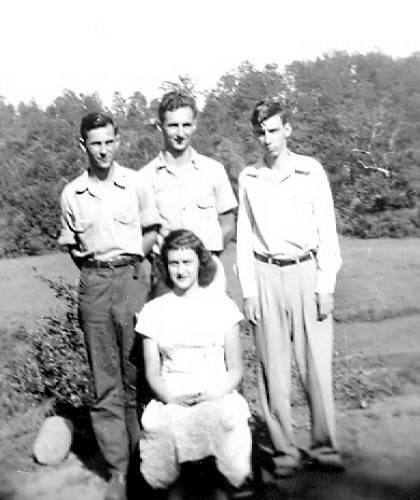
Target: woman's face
183, 265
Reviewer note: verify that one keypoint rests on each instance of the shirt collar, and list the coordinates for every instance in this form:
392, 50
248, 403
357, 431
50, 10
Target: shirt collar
161, 162
86, 184
261, 170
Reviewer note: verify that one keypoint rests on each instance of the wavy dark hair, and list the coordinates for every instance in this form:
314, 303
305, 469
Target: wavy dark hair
183, 238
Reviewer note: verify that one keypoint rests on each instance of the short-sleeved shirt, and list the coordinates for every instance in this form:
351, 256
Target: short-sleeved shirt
190, 334
106, 221
194, 200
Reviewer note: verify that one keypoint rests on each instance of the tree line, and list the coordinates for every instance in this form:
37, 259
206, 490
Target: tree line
358, 114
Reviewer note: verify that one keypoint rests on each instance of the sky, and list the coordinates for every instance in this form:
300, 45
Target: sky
103, 46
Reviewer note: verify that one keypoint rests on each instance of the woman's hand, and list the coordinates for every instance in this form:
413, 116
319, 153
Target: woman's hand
212, 395
186, 399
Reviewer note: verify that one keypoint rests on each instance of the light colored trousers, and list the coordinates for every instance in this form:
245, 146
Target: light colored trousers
289, 323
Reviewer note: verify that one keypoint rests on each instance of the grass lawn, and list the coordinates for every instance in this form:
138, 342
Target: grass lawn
374, 359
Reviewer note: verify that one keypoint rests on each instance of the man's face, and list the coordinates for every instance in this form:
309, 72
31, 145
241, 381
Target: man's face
273, 136
178, 128
101, 146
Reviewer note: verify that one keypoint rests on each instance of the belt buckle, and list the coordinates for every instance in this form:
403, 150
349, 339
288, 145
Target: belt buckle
269, 259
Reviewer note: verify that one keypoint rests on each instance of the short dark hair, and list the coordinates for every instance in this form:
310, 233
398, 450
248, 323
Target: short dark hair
174, 100
183, 238
95, 120
266, 109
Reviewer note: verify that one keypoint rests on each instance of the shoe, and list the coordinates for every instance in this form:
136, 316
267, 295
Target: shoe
284, 471
245, 491
330, 462
286, 466
116, 487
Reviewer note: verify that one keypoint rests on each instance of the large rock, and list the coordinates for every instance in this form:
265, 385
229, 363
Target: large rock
53, 442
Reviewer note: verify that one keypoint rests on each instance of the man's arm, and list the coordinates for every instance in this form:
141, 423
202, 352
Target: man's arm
150, 235
226, 203
77, 256
227, 223
149, 215
245, 258
328, 255
67, 234
324, 304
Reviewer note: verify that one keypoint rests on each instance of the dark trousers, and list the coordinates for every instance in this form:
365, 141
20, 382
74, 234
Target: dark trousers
108, 302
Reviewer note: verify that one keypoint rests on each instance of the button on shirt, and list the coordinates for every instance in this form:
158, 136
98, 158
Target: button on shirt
286, 214
106, 220
191, 197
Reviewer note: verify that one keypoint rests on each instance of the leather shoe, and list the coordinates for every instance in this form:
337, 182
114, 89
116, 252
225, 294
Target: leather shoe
284, 471
328, 463
116, 487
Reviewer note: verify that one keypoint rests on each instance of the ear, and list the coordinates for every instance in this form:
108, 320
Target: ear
287, 129
82, 144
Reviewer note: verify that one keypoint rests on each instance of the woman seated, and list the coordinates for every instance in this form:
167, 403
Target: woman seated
193, 363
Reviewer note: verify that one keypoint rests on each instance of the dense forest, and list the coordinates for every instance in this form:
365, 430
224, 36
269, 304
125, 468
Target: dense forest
358, 114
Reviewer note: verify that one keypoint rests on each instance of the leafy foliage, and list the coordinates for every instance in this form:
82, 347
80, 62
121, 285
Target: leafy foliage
52, 364
359, 114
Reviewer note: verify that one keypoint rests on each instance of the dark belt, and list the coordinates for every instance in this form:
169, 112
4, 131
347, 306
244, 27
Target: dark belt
283, 262
124, 260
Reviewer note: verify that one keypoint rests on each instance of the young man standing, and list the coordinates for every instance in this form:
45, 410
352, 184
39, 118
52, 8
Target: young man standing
191, 191
287, 257
103, 212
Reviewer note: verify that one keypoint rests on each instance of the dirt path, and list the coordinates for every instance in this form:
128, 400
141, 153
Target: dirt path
381, 448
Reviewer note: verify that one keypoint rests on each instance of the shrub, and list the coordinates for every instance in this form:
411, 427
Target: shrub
55, 364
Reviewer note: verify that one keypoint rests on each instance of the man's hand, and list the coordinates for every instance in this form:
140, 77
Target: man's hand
325, 305
78, 256
251, 308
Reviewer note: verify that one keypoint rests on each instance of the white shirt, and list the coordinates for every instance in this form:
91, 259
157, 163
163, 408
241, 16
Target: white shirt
193, 200
190, 332
285, 215
106, 222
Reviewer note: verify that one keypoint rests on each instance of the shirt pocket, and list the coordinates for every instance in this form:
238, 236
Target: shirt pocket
126, 211
168, 202
206, 201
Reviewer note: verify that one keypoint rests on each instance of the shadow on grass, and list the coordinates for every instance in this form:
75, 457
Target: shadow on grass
315, 485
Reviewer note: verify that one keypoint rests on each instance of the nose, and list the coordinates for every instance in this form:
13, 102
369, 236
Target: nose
180, 131
102, 149
180, 270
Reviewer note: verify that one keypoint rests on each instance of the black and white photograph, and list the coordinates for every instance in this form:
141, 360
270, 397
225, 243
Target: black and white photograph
209, 250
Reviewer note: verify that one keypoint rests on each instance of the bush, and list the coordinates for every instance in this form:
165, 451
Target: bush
53, 364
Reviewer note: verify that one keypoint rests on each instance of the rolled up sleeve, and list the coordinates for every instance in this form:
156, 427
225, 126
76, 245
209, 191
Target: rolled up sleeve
225, 198
67, 234
149, 215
